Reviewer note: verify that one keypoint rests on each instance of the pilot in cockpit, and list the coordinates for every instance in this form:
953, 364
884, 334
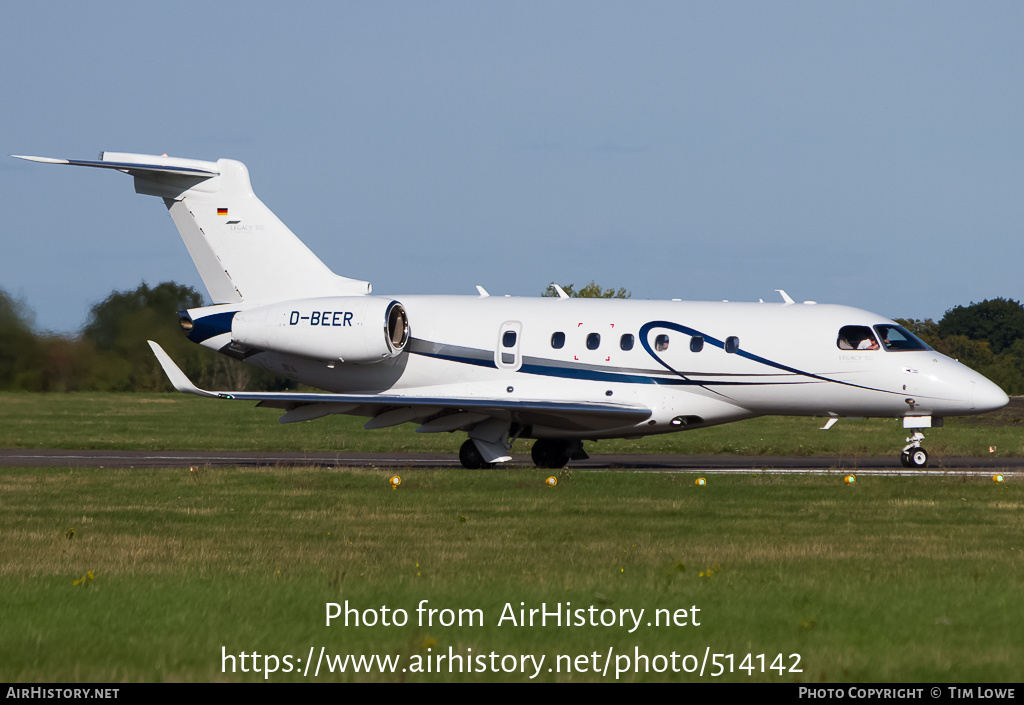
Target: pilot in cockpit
868, 343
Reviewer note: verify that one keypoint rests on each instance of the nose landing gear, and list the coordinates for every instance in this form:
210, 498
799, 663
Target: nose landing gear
913, 455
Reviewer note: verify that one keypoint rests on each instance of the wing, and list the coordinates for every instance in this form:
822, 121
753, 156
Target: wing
434, 413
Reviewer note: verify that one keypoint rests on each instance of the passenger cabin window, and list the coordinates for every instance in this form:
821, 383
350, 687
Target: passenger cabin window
732, 344
593, 341
557, 340
506, 353
896, 338
508, 341
661, 342
697, 343
626, 341
856, 338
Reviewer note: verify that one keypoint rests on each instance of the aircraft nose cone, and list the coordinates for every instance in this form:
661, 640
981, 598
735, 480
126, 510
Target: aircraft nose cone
987, 396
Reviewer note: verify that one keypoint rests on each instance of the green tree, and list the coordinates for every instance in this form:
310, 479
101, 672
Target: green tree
119, 327
926, 329
590, 291
71, 363
19, 346
1000, 322
110, 317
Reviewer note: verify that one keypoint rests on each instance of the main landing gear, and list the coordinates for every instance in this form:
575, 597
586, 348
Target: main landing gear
471, 457
913, 455
553, 453
549, 453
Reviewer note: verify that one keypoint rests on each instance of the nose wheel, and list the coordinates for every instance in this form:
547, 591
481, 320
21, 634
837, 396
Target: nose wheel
913, 455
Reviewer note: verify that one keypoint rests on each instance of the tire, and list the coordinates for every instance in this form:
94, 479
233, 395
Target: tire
469, 456
918, 458
549, 453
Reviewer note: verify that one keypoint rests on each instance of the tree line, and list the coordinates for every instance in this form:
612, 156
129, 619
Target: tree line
110, 353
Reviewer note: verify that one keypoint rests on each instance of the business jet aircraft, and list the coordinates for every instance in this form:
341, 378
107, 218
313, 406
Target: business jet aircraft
558, 370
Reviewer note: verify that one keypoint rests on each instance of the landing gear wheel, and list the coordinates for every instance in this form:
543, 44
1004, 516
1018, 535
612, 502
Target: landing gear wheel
549, 453
914, 456
917, 458
470, 457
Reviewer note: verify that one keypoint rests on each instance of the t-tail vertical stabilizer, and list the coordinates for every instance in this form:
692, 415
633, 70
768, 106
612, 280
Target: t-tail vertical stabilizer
243, 252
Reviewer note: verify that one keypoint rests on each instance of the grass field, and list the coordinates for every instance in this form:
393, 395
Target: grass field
157, 575
127, 575
183, 422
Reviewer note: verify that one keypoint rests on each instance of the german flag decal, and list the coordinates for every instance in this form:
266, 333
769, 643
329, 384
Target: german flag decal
222, 211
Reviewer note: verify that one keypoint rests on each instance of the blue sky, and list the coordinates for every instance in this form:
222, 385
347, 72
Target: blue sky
866, 153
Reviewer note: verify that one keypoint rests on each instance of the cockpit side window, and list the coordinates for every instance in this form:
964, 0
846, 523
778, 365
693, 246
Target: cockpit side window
856, 338
897, 338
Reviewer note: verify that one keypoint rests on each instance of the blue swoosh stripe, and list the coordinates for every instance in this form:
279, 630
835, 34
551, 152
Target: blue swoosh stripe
646, 328
486, 360
590, 375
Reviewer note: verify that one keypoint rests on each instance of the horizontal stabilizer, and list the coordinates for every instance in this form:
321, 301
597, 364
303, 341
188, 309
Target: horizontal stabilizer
136, 164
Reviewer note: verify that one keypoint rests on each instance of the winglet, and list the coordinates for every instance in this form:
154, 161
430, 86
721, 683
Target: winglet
174, 373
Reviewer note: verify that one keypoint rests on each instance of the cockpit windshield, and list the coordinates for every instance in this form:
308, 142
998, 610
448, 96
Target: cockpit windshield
896, 338
889, 337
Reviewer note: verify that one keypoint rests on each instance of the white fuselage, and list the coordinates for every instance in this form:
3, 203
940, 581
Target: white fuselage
756, 359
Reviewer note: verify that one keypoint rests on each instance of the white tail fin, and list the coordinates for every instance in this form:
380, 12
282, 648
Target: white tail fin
242, 250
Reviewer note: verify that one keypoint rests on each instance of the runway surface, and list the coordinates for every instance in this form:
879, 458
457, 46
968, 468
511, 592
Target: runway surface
888, 465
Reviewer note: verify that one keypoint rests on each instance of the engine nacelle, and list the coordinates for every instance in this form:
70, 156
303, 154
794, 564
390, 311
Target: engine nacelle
356, 329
